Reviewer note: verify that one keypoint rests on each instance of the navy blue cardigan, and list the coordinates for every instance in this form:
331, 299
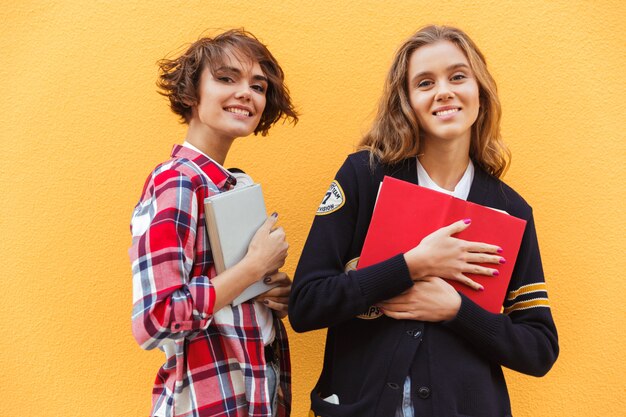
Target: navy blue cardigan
455, 366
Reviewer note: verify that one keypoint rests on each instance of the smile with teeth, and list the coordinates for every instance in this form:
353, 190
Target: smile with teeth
446, 112
238, 111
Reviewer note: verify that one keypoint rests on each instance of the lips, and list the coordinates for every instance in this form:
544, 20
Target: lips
239, 111
446, 111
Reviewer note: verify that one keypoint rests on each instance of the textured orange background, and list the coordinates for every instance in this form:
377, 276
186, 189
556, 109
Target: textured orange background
82, 126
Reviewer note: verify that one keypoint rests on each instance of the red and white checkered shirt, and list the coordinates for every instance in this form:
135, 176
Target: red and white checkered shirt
215, 363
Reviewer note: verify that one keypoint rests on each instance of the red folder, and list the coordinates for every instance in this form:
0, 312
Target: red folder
405, 213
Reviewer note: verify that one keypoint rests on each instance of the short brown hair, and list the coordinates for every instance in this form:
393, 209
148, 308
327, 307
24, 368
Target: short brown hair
395, 133
179, 77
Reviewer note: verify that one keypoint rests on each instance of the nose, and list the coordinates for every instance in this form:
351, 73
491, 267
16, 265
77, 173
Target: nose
243, 92
444, 92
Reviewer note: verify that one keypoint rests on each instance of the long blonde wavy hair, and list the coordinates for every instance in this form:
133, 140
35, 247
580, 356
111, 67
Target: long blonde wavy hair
395, 132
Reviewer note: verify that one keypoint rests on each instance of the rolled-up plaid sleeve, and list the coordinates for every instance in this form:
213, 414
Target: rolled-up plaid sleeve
168, 303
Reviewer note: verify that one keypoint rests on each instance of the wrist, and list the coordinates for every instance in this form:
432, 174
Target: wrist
455, 307
251, 269
416, 265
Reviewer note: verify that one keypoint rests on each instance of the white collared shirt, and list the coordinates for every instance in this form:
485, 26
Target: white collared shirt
462, 188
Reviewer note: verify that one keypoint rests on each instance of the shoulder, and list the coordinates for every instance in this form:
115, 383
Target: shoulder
360, 163
175, 179
183, 170
364, 164
361, 172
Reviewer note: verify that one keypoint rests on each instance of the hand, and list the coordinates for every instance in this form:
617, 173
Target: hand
278, 297
268, 247
440, 254
431, 299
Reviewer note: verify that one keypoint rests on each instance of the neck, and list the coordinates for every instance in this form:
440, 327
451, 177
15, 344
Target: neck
215, 146
445, 162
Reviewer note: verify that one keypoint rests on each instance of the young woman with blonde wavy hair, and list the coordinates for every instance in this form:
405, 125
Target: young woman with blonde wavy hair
401, 340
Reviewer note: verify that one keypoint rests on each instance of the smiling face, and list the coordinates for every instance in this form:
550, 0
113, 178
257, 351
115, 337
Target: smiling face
443, 92
231, 99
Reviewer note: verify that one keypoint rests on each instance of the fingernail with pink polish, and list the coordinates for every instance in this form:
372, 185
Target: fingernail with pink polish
467, 221
481, 288
496, 273
502, 261
499, 250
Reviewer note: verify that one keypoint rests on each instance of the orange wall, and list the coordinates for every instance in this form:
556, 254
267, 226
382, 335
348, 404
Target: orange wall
82, 126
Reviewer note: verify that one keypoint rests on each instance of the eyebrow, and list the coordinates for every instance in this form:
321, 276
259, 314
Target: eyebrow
450, 68
237, 71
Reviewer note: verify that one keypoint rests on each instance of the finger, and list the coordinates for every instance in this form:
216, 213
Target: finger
284, 290
263, 296
273, 278
285, 281
278, 292
270, 222
281, 290
280, 278
456, 227
399, 315
480, 270
276, 306
483, 258
278, 232
397, 307
481, 247
469, 282
280, 300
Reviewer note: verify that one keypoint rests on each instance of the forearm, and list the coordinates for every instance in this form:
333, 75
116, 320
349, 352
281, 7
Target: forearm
524, 341
319, 301
230, 283
171, 313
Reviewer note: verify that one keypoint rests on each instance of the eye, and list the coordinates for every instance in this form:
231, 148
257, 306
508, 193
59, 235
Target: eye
458, 77
259, 88
424, 84
225, 79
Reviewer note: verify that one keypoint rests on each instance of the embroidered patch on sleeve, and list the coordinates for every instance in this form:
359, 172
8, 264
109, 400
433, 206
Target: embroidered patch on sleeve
373, 312
333, 200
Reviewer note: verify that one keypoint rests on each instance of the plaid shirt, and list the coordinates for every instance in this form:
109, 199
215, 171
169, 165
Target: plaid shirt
215, 363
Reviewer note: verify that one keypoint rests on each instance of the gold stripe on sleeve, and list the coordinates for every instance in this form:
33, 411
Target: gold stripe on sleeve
525, 305
526, 289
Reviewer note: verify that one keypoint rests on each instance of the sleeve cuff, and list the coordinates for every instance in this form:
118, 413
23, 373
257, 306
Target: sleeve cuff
203, 294
474, 321
384, 280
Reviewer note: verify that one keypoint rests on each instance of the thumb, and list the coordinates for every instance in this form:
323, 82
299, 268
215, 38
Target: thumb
270, 222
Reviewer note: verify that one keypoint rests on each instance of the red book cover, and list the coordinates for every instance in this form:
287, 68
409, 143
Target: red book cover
405, 213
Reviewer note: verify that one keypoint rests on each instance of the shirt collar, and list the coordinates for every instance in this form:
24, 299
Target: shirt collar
219, 175
461, 190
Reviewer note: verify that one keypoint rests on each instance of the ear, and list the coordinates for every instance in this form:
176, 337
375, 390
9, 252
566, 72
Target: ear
189, 102
192, 107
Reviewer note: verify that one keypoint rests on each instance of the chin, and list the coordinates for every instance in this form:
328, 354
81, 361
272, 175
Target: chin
452, 134
241, 132
246, 130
